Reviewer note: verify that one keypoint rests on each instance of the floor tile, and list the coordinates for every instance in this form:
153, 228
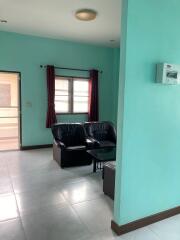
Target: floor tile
32, 201
167, 229
81, 191
25, 183
53, 203
3, 170
107, 235
140, 234
12, 230
5, 185
55, 224
8, 207
92, 237
25, 162
82, 171
2, 159
63, 204
41, 178
96, 214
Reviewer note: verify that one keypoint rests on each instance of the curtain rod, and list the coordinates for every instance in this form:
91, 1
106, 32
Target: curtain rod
72, 69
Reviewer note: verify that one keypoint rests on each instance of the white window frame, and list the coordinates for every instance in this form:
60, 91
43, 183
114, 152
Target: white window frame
71, 93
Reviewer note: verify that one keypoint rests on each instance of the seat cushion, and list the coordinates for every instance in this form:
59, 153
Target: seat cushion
107, 144
76, 148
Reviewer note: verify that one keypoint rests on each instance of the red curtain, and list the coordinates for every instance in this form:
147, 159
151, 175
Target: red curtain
93, 114
51, 115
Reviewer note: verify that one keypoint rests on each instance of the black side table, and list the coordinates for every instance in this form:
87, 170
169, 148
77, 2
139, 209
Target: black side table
100, 156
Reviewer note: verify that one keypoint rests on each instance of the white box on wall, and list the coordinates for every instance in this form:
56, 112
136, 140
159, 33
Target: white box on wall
168, 73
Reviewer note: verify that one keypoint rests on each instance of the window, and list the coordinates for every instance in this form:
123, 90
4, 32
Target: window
71, 95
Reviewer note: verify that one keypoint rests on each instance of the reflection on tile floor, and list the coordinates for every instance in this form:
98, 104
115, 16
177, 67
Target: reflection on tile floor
38, 200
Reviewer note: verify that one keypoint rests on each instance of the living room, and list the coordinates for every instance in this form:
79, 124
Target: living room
32, 183
100, 58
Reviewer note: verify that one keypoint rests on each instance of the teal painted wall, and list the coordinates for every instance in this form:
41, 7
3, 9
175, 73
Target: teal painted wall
26, 54
120, 114
148, 169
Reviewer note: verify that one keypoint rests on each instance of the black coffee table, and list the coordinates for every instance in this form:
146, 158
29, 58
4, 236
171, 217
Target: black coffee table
102, 155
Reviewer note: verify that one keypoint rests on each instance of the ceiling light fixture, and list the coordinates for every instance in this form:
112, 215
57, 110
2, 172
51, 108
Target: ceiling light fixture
3, 21
86, 14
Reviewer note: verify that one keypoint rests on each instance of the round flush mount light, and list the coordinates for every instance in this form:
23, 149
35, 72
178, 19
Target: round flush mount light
86, 14
3, 21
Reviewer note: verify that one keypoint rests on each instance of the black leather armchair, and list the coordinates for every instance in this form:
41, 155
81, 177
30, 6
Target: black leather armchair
70, 145
102, 134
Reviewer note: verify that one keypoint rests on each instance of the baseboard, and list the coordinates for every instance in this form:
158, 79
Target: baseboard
122, 229
36, 147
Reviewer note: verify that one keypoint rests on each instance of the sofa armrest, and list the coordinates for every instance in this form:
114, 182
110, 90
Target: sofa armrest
113, 135
89, 142
92, 142
60, 144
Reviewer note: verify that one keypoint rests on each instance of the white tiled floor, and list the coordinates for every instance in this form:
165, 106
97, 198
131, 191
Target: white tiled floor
40, 201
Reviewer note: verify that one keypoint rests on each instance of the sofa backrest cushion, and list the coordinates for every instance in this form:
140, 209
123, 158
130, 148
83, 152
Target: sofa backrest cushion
101, 131
71, 134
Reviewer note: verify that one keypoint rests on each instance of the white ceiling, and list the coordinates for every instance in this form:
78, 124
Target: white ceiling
55, 19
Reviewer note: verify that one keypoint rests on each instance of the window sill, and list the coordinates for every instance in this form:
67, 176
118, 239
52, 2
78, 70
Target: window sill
80, 113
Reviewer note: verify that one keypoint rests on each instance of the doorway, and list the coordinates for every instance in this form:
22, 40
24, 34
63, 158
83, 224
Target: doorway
9, 111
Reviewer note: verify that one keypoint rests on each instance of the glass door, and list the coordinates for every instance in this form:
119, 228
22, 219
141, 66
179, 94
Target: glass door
9, 111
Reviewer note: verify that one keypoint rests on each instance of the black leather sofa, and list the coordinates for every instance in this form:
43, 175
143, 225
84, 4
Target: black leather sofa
70, 145
103, 134
72, 140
